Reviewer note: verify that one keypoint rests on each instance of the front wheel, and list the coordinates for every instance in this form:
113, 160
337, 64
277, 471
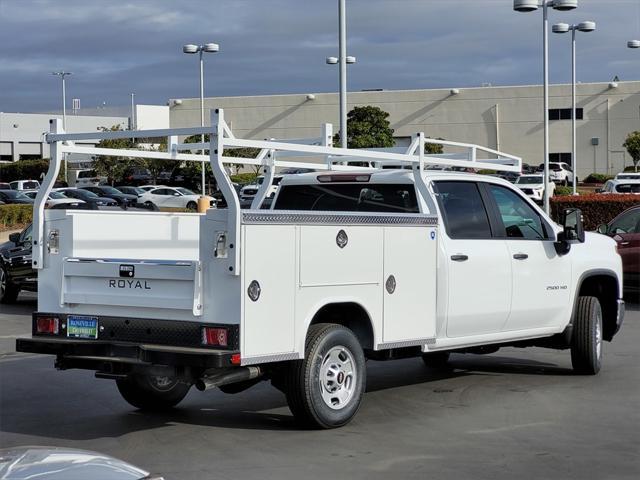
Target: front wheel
152, 393
586, 340
8, 291
325, 389
192, 206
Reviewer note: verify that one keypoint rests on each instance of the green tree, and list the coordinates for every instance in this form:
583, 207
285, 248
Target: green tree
114, 167
244, 152
632, 144
433, 148
367, 127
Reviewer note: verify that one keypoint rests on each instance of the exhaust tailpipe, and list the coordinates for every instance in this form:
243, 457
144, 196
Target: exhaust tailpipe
227, 377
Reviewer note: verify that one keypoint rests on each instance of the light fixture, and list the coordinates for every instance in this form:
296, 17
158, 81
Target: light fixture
332, 60
310, 96
454, 91
613, 84
633, 44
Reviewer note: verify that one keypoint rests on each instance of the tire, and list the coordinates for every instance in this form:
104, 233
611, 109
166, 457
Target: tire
192, 206
436, 360
151, 393
8, 291
325, 389
586, 340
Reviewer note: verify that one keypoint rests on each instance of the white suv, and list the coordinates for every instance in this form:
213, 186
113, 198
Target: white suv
559, 172
89, 178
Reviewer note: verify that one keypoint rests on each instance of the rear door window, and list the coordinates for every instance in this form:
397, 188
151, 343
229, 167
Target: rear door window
463, 210
349, 197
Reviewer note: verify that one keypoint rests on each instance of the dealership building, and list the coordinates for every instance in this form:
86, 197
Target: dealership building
507, 118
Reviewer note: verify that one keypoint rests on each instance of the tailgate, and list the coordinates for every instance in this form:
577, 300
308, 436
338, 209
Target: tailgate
154, 284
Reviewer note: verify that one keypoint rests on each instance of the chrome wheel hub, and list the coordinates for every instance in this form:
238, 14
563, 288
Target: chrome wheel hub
338, 378
598, 337
162, 383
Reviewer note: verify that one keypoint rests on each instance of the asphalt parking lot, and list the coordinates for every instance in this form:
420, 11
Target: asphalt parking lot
519, 413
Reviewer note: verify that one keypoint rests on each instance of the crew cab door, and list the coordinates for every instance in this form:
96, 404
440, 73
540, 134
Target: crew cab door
541, 281
478, 267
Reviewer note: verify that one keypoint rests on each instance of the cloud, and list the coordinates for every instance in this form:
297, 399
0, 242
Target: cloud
279, 46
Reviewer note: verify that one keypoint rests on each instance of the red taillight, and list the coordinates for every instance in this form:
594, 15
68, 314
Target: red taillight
47, 325
343, 178
235, 359
215, 336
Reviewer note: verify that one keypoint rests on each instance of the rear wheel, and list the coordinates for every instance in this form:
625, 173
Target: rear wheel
152, 393
193, 206
586, 340
8, 291
325, 389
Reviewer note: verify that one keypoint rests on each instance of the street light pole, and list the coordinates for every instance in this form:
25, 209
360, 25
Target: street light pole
530, 6
201, 49
342, 46
564, 28
62, 75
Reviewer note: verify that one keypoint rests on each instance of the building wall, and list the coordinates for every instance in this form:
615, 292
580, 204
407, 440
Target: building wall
22, 134
507, 118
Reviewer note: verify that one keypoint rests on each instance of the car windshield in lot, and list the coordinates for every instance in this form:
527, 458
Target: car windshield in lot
110, 190
14, 195
628, 188
185, 191
81, 193
529, 180
349, 198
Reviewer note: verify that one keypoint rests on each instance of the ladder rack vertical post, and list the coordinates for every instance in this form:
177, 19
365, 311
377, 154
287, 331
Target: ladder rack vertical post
216, 152
327, 141
56, 154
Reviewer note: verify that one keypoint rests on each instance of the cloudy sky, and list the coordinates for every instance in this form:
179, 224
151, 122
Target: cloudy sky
117, 47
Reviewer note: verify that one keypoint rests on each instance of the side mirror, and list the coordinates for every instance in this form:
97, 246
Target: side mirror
15, 238
603, 228
572, 225
572, 230
176, 194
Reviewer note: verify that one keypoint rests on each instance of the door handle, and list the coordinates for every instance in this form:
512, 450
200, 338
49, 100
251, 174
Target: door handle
521, 256
624, 243
459, 258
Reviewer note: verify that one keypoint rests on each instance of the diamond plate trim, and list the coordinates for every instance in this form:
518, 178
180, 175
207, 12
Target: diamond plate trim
406, 343
285, 217
280, 357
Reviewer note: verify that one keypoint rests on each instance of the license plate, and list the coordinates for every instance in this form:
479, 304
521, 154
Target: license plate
82, 327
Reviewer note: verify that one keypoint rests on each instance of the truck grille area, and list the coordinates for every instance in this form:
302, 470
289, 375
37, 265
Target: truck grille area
151, 331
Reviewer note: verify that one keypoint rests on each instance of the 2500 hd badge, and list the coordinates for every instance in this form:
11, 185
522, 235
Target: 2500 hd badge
131, 284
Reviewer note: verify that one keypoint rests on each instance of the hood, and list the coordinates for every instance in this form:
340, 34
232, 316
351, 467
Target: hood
53, 463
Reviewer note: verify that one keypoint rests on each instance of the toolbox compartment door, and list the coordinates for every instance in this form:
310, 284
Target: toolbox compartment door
410, 267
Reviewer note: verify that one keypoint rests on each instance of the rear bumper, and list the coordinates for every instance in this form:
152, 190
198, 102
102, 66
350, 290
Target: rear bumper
133, 341
96, 354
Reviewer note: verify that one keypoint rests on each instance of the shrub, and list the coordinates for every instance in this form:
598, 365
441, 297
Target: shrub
632, 169
562, 190
243, 178
597, 178
596, 208
23, 170
15, 215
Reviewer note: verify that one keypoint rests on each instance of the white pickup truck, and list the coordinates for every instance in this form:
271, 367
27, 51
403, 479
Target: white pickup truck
349, 264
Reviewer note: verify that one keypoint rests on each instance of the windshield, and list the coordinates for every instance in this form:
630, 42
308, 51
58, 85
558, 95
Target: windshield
56, 196
628, 188
85, 193
529, 180
628, 176
110, 190
185, 191
12, 194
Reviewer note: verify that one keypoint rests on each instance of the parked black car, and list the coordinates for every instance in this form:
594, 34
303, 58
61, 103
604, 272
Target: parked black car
137, 191
88, 197
16, 272
14, 196
110, 192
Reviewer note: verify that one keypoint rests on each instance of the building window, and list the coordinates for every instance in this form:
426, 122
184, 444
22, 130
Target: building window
563, 157
565, 114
